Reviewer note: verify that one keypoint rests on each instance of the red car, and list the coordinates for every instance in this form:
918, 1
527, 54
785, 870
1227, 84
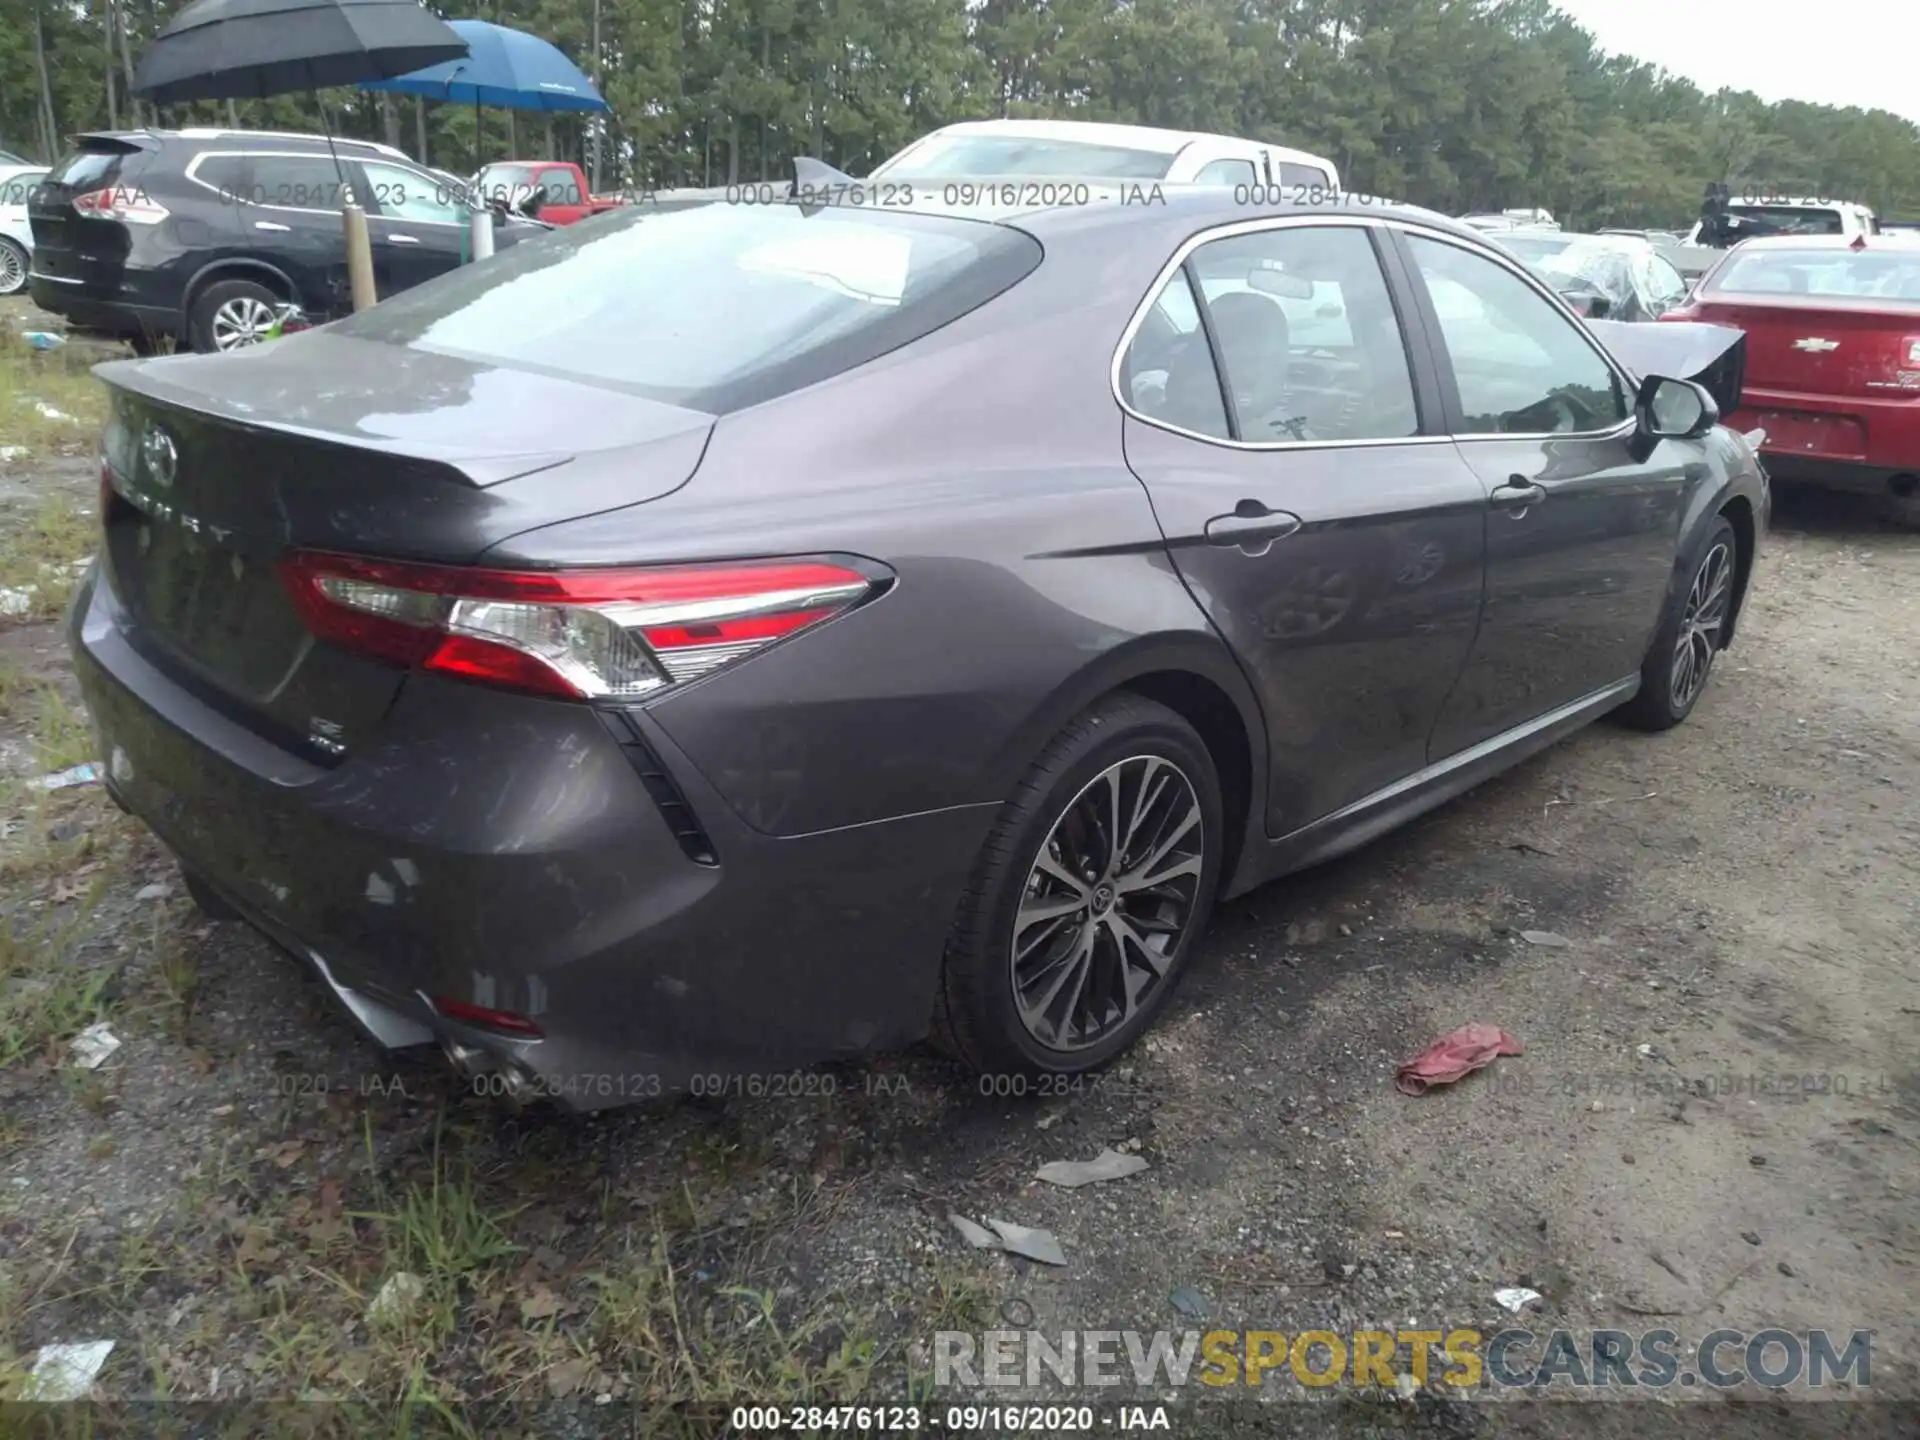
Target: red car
1833, 357
566, 198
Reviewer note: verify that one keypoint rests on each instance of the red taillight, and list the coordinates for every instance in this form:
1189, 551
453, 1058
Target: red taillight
504, 1021
581, 634
118, 202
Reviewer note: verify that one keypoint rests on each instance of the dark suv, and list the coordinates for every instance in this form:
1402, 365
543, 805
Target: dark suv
200, 235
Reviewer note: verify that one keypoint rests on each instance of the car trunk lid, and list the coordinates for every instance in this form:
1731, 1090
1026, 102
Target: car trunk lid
1825, 349
222, 465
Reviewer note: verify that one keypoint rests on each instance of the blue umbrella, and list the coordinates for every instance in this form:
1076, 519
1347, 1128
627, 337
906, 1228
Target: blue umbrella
507, 69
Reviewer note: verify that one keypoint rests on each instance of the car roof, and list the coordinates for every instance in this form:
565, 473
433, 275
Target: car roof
1040, 204
200, 133
1093, 132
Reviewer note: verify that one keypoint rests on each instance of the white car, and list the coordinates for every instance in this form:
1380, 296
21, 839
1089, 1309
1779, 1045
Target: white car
1078, 149
16, 237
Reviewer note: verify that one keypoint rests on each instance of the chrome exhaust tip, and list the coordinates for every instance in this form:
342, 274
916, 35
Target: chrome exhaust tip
516, 1084
469, 1060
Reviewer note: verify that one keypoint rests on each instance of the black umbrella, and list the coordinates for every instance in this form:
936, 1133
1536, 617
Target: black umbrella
250, 49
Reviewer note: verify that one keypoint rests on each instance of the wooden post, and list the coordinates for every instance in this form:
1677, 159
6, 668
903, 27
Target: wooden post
353, 220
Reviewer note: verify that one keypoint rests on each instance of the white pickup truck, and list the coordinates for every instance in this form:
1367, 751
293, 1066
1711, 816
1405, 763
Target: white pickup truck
1059, 149
1790, 215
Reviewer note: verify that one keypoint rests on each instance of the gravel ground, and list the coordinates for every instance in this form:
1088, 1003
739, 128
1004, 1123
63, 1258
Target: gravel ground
1714, 1124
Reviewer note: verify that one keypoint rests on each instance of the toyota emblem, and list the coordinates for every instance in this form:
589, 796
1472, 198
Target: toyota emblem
156, 448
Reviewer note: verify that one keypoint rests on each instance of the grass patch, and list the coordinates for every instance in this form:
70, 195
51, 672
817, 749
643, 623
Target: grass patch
41, 559
679, 1341
46, 996
49, 401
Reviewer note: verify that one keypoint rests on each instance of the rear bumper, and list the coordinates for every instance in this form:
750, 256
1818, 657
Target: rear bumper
85, 308
1848, 476
504, 851
1869, 435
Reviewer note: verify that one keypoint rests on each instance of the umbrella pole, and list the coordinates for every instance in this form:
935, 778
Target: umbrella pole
353, 225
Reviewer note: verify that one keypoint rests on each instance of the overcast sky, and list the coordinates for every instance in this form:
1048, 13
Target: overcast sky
1835, 52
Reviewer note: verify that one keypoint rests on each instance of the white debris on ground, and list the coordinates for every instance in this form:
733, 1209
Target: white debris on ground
397, 1300
1516, 1298
66, 1371
65, 779
1107, 1165
93, 1045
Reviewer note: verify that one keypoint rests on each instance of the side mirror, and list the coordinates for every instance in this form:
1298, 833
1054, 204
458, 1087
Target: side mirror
535, 198
1671, 410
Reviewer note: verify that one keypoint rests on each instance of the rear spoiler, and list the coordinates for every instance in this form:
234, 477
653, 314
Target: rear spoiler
1712, 356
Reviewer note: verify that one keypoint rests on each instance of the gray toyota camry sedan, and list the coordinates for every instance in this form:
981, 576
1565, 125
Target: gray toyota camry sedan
708, 642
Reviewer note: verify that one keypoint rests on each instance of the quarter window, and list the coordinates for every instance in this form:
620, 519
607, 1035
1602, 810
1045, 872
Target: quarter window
1302, 177
1228, 172
1168, 371
1521, 367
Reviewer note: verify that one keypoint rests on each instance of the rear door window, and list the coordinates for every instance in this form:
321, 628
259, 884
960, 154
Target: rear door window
295, 182
1307, 338
228, 176
630, 301
1307, 335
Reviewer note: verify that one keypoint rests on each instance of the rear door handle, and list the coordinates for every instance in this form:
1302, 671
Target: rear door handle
272, 225
1252, 527
1518, 493
404, 239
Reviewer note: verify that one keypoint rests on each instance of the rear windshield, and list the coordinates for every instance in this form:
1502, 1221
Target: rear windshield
1533, 247
86, 170
945, 156
1823, 274
712, 308
1789, 219
512, 183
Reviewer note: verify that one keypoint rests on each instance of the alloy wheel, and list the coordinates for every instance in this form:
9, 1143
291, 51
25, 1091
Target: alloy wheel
240, 322
13, 270
1700, 626
1107, 903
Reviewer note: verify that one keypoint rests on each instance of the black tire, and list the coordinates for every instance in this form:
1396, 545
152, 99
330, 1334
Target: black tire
14, 264
200, 320
1663, 701
977, 1017
207, 898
